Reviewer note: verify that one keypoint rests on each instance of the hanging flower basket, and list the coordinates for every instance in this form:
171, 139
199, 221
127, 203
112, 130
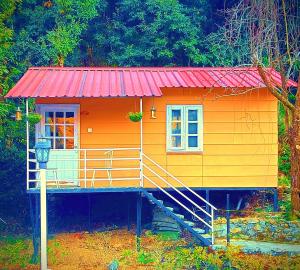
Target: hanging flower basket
135, 116
34, 118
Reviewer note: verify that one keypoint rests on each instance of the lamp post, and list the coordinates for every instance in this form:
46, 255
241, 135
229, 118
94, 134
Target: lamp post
42, 151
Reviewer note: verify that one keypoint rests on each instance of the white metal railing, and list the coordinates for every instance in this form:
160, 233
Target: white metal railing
87, 165
91, 162
209, 216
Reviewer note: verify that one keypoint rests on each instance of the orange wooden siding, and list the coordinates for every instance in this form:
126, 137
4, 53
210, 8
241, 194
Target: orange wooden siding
240, 135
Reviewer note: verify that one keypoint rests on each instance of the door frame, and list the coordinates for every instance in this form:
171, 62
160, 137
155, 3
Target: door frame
40, 131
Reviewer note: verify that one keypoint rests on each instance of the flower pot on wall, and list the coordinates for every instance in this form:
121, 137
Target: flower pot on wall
135, 116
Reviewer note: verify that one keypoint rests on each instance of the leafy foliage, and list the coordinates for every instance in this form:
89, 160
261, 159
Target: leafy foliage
135, 116
284, 165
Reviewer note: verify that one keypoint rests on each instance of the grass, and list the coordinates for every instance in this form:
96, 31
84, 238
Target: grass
14, 251
118, 249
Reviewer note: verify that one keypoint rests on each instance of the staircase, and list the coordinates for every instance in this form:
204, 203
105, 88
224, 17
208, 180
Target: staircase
201, 226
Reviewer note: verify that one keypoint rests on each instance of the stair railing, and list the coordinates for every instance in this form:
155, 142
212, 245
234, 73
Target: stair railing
212, 208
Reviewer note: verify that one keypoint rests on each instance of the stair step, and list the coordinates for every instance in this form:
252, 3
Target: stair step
190, 223
170, 208
205, 235
200, 231
180, 216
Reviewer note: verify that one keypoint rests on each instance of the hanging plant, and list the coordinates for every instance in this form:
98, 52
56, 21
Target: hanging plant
135, 116
34, 118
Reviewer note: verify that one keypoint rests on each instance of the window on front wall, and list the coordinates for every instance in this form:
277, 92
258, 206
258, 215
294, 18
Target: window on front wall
184, 128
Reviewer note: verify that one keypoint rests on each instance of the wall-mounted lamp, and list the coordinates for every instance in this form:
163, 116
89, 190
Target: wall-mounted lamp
18, 114
153, 112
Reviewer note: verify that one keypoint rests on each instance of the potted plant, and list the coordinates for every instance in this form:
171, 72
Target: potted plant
135, 116
34, 118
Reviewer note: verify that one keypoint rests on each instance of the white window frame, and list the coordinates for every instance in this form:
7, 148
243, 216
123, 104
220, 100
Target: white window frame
184, 128
42, 108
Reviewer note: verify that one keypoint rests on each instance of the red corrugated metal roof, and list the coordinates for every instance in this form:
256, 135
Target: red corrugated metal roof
130, 82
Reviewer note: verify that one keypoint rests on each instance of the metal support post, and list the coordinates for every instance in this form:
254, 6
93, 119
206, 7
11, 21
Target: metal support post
139, 219
228, 217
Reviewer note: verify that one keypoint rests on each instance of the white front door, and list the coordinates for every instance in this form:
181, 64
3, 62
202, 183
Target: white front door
59, 124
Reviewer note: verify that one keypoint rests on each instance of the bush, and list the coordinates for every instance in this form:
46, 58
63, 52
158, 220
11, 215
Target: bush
284, 163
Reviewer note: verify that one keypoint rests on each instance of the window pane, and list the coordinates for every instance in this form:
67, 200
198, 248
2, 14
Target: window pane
49, 117
69, 143
193, 141
60, 131
193, 115
59, 143
49, 130
193, 128
176, 115
176, 141
69, 131
59, 117
51, 141
69, 117
176, 128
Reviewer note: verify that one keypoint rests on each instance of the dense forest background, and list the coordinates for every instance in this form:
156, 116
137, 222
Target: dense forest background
96, 33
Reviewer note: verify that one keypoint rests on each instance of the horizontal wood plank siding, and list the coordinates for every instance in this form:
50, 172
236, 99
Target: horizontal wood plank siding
240, 136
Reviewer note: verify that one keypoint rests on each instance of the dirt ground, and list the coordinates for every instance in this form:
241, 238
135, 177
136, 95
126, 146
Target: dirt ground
72, 251
97, 251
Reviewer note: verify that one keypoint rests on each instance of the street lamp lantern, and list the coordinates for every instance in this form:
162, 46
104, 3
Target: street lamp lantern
42, 151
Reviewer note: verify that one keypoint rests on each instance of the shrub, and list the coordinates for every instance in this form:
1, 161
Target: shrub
284, 159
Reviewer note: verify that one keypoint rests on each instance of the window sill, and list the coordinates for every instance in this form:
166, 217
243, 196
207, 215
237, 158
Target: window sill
184, 152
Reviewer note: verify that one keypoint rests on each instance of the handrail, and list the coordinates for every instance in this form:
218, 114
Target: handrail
176, 179
94, 149
90, 160
168, 194
182, 194
96, 179
93, 169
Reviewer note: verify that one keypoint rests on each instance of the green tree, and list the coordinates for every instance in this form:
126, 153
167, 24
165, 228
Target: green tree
152, 32
72, 20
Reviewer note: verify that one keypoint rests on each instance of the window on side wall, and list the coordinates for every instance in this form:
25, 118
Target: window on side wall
184, 128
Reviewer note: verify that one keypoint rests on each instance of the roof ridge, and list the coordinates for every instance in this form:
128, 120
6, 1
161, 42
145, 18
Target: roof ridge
138, 68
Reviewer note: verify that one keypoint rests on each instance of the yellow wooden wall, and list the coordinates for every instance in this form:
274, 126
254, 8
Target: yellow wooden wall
240, 136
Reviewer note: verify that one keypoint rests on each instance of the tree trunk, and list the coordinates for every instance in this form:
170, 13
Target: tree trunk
294, 141
60, 60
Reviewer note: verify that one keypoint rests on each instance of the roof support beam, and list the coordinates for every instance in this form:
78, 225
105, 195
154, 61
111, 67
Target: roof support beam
141, 144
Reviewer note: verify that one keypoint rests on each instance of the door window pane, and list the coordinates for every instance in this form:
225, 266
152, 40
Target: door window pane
193, 141
69, 131
59, 144
193, 115
49, 130
59, 117
176, 115
193, 128
176, 141
176, 128
60, 131
69, 117
51, 142
69, 143
49, 117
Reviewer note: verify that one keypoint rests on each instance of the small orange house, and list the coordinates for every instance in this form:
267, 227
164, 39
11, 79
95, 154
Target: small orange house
201, 129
